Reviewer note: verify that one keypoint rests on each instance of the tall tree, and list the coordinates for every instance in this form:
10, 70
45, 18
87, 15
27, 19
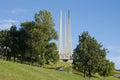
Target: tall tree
28, 29
22, 37
4, 43
14, 41
89, 55
39, 34
45, 21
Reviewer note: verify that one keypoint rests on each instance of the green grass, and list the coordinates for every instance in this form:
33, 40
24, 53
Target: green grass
16, 71
117, 72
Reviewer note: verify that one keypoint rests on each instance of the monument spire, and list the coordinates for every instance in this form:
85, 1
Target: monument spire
65, 37
60, 35
69, 35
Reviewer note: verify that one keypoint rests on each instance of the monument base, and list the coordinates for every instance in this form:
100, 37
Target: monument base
66, 58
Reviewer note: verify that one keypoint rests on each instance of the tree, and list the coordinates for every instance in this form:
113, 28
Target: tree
22, 44
106, 68
44, 20
28, 29
89, 55
4, 43
14, 41
39, 34
51, 53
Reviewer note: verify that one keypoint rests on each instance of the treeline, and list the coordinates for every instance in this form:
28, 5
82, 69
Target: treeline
32, 42
90, 57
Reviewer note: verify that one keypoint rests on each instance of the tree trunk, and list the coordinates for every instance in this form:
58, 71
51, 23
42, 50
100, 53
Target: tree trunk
90, 73
31, 60
84, 72
14, 57
89, 70
21, 59
6, 53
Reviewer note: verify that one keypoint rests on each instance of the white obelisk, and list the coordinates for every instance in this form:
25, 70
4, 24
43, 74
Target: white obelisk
60, 35
65, 37
69, 36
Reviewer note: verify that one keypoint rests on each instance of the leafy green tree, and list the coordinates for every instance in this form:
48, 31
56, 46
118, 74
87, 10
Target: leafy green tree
88, 55
106, 68
4, 43
14, 41
45, 21
51, 53
28, 29
39, 35
22, 46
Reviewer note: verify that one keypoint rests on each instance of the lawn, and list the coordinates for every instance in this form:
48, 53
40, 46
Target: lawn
16, 71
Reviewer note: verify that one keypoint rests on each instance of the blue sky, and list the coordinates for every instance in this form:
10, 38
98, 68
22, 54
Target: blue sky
101, 18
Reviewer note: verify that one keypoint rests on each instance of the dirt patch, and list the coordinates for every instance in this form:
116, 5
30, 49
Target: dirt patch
117, 75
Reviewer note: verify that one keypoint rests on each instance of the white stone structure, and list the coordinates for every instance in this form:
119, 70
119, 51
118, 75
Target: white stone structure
60, 34
66, 53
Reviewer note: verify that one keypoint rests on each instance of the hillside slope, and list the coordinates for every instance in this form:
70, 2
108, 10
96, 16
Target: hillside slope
16, 71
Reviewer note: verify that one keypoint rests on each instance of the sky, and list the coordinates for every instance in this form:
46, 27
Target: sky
101, 18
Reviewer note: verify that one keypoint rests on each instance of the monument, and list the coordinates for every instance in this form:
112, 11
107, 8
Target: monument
65, 48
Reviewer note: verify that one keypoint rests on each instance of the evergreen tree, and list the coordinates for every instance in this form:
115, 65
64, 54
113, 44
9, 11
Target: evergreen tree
14, 41
89, 55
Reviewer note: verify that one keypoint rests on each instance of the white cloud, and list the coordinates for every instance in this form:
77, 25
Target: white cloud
116, 60
114, 55
114, 48
17, 11
5, 26
110, 47
6, 23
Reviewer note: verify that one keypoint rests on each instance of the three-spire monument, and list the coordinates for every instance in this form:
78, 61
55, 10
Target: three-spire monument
65, 48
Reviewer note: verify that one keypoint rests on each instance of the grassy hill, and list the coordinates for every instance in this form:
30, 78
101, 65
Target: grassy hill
16, 71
